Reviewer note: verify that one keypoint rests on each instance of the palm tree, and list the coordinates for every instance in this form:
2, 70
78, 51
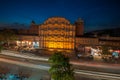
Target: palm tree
60, 67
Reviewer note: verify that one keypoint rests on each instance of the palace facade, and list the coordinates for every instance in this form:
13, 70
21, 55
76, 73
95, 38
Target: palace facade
57, 33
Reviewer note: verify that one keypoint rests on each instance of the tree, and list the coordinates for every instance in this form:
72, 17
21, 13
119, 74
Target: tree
7, 36
60, 67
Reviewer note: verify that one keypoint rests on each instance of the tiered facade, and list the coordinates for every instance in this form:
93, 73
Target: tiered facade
57, 33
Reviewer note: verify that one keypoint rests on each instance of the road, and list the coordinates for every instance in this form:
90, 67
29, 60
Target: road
88, 65
91, 74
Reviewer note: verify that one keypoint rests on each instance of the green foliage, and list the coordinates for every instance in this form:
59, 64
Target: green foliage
60, 67
7, 36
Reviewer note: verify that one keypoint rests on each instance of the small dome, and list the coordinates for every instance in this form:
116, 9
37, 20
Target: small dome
33, 22
79, 20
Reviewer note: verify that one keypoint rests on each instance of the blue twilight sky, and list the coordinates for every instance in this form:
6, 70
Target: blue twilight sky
97, 14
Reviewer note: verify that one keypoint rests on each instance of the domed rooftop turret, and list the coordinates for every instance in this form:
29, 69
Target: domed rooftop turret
79, 20
33, 22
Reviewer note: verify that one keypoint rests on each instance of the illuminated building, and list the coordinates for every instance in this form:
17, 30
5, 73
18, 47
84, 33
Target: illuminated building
84, 44
57, 33
109, 41
79, 25
29, 37
28, 41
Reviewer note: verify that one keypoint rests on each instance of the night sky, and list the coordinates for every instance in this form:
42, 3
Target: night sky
97, 14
